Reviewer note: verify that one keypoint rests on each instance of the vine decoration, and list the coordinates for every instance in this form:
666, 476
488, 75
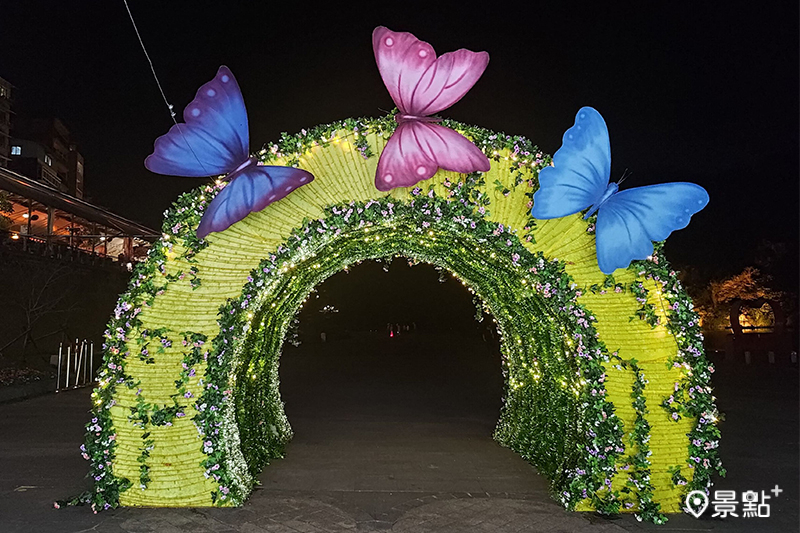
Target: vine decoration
692, 396
638, 488
609, 284
149, 279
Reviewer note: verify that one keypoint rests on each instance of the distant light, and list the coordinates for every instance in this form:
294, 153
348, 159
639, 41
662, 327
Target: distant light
14, 236
25, 215
391, 334
102, 238
129, 266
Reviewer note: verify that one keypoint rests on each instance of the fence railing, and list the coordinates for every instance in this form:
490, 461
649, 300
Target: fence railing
75, 364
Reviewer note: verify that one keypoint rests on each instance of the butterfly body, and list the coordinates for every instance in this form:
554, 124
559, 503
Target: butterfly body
611, 190
215, 140
628, 221
421, 85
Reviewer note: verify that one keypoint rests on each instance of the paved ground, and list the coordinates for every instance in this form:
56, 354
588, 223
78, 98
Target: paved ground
392, 436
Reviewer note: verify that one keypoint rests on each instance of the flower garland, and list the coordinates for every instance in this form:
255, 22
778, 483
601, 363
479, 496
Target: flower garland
149, 279
638, 482
646, 311
692, 395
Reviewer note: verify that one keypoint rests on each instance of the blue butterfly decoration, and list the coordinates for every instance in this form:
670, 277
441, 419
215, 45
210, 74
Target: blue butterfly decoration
215, 140
628, 221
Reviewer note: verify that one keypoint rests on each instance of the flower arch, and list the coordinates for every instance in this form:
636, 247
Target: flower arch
605, 374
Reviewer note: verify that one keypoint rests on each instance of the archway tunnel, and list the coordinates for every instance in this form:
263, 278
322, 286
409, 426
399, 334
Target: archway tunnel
188, 407
539, 417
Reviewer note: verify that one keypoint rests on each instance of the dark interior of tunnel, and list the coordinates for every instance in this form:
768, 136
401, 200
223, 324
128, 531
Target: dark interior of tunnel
372, 409
373, 294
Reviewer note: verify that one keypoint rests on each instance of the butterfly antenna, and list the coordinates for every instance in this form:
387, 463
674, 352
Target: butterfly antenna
624, 176
158, 83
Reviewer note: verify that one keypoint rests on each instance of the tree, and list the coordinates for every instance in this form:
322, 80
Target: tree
6, 208
34, 291
748, 285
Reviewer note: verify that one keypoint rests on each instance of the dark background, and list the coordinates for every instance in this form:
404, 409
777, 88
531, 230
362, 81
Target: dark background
691, 91
372, 294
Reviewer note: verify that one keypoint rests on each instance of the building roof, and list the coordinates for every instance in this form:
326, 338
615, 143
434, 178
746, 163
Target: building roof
44, 194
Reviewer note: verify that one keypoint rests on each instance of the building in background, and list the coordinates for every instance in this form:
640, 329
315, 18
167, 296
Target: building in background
42, 220
63, 260
42, 210
5, 122
44, 150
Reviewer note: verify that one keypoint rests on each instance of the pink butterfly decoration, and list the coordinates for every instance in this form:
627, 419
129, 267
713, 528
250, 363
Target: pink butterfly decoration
421, 85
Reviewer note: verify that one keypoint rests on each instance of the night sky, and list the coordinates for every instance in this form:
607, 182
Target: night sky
690, 91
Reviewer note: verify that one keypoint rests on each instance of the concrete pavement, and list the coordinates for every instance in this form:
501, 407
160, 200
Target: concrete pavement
390, 437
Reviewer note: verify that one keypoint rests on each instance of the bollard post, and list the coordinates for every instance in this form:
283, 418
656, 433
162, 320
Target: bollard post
747, 357
58, 374
78, 360
91, 360
771, 357
85, 352
66, 383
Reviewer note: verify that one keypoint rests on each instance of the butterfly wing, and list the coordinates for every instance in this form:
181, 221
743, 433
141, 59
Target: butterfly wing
253, 189
580, 171
629, 222
416, 151
214, 139
420, 83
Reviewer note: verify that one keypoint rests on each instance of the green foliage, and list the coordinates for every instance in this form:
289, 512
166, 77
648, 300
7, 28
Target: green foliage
638, 491
646, 311
609, 284
692, 395
5, 208
148, 280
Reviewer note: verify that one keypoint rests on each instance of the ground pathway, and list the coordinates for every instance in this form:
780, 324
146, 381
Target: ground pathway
390, 435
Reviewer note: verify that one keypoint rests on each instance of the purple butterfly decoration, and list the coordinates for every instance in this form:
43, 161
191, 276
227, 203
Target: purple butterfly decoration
421, 85
215, 140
